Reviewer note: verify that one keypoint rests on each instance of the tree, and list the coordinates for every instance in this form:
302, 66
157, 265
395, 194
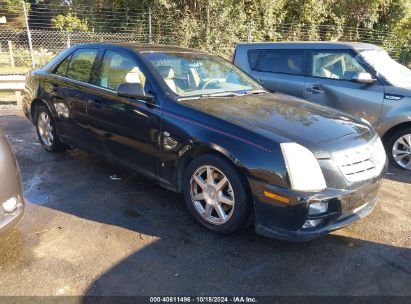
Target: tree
69, 23
13, 10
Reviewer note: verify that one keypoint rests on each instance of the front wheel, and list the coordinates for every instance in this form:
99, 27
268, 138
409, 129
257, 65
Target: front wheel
216, 194
399, 148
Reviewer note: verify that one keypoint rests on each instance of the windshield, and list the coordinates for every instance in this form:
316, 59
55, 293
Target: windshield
200, 75
395, 73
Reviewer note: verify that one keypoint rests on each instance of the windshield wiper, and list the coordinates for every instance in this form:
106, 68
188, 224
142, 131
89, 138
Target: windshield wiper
255, 92
222, 94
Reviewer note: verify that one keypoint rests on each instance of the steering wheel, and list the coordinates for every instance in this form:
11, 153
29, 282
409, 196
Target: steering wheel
208, 82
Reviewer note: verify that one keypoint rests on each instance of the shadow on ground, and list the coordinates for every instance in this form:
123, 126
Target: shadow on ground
399, 175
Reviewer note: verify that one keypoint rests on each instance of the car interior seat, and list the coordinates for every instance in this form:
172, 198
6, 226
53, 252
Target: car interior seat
167, 73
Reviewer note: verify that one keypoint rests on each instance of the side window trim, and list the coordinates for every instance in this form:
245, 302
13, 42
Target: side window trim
96, 66
310, 56
303, 65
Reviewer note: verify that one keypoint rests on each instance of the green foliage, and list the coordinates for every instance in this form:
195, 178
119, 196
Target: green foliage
13, 9
69, 23
217, 25
403, 34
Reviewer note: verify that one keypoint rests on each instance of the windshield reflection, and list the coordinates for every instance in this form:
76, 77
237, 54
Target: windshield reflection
200, 75
383, 65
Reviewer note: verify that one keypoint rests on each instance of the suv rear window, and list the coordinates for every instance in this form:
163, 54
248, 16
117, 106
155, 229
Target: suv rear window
277, 61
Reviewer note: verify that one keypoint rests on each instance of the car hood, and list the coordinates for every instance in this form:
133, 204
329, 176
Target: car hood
291, 118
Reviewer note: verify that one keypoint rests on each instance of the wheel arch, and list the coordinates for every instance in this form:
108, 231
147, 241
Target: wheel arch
36, 103
205, 149
385, 137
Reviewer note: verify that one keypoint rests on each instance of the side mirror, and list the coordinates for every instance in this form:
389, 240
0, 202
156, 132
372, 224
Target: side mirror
363, 77
133, 90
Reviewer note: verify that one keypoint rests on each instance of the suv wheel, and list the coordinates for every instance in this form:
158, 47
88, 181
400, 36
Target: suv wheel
46, 131
399, 148
216, 194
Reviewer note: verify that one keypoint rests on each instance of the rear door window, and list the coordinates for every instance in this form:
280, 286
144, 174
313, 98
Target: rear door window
81, 64
277, 61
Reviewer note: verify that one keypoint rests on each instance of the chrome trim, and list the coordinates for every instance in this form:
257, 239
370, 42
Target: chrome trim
362, 162
93, 86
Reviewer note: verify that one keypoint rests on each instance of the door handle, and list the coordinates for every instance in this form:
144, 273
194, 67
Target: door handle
54, 87
261, 81
315, 89
96, 103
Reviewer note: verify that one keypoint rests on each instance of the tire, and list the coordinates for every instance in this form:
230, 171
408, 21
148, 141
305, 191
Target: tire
398, 148
235, 191
46, 132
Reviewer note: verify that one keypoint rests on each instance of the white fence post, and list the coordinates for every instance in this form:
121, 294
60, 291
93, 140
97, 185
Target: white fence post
150, 34
11, 54
28, 34
249, 30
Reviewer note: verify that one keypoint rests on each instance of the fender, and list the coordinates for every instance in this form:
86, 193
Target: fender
34, 103
385, 127
193, 149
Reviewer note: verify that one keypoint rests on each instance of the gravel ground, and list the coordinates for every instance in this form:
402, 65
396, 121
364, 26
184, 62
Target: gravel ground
85, 234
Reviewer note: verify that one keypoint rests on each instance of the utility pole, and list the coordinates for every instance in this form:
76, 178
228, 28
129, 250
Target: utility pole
28, 34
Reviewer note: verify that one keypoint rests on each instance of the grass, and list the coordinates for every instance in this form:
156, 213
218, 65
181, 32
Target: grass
22, 60
7, 98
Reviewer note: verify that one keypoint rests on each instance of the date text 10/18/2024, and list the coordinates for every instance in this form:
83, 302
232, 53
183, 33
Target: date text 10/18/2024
203, 299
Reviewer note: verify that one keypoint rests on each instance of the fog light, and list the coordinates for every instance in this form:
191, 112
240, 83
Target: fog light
317, 208
312, 223
10, 205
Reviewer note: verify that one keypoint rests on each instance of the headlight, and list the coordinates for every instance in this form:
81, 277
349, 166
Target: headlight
303, 168
10, 205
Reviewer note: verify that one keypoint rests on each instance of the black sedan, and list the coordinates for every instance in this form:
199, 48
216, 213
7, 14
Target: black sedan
196, 124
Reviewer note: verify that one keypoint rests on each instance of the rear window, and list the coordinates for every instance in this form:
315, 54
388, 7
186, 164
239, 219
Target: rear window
277, 61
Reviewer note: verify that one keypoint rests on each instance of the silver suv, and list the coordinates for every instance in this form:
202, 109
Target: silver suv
358, 78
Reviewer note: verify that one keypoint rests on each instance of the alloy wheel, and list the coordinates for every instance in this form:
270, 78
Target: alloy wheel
212, 195
401, 151
45, 129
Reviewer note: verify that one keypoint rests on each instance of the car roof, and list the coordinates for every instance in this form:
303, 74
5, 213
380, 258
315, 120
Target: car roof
146, 47
311, 45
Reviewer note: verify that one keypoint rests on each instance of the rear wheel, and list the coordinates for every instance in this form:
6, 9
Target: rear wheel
399, 148
216, 194
46, 131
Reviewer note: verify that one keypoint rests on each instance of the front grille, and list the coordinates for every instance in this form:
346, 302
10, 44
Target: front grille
361, 162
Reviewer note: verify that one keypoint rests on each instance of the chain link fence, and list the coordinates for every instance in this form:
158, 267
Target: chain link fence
15, 53
301, 32
47, 41
149, 27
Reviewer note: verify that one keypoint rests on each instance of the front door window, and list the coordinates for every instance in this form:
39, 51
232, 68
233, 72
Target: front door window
335, 65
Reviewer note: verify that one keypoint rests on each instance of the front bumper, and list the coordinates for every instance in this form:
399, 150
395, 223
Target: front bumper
10, 220
285, 220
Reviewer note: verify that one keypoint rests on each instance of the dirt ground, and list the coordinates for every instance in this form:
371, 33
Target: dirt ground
85, 234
